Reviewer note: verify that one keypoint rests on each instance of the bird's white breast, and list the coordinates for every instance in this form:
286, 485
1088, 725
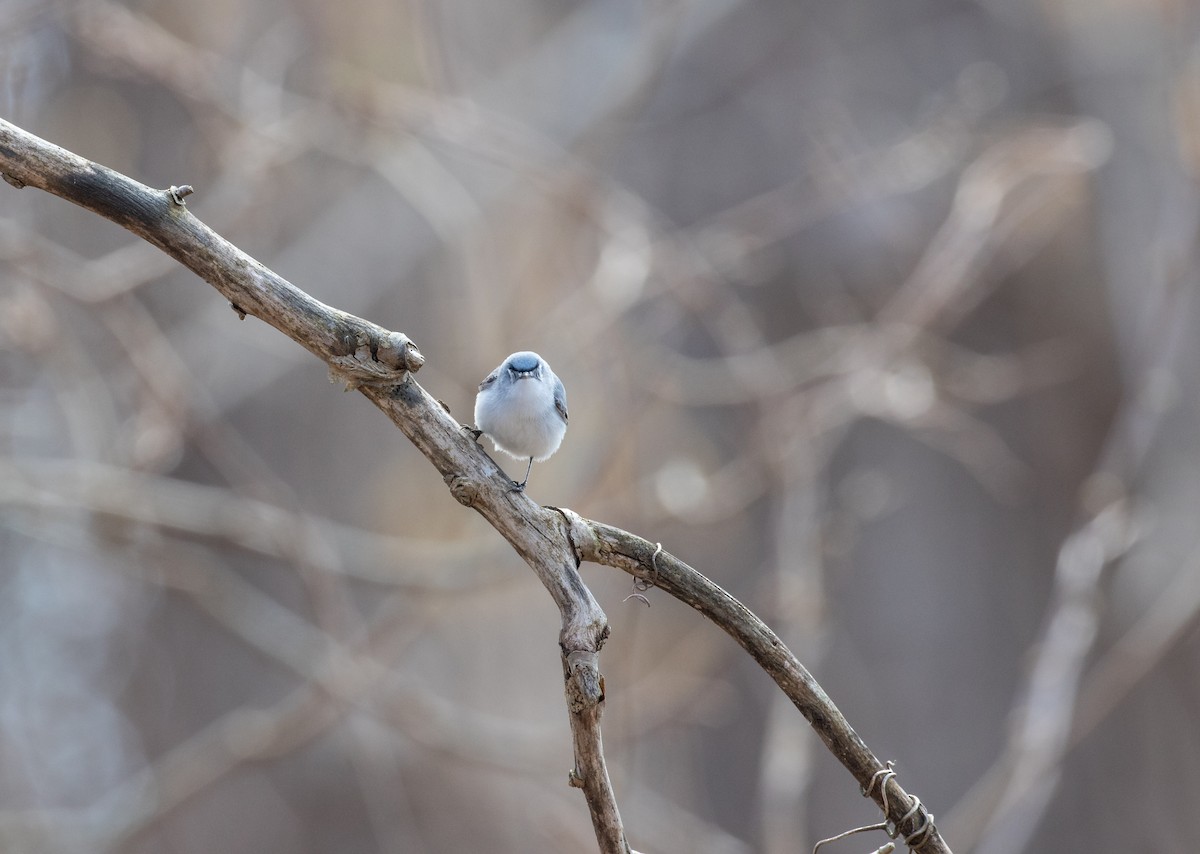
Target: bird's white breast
524, 423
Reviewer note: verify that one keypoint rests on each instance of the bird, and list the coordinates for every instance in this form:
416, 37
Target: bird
522, 408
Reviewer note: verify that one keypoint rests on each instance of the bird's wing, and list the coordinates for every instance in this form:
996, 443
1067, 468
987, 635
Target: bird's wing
560, 398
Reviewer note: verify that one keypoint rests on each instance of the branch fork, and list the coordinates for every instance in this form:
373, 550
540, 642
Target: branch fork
552, 541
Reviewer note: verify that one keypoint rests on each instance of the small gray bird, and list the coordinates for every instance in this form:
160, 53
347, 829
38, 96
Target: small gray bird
522, 407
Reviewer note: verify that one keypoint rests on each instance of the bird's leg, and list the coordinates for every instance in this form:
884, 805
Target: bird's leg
474, 431
520, 487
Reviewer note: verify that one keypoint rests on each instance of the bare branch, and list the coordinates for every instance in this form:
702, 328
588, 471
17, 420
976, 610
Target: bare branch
553, 542
614, 547
378, 362
354, 348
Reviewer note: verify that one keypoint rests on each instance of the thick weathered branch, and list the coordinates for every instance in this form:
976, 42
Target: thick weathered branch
354, 348
378, 362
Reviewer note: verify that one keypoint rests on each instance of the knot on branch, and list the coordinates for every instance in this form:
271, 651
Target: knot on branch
397, 350
464, 490
373, 356
585, 684
179, 194
580, 535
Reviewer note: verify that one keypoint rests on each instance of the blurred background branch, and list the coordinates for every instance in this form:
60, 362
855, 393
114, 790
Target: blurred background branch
886, 311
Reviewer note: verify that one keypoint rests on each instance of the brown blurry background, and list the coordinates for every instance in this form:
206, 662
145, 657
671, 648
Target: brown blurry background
881, 314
